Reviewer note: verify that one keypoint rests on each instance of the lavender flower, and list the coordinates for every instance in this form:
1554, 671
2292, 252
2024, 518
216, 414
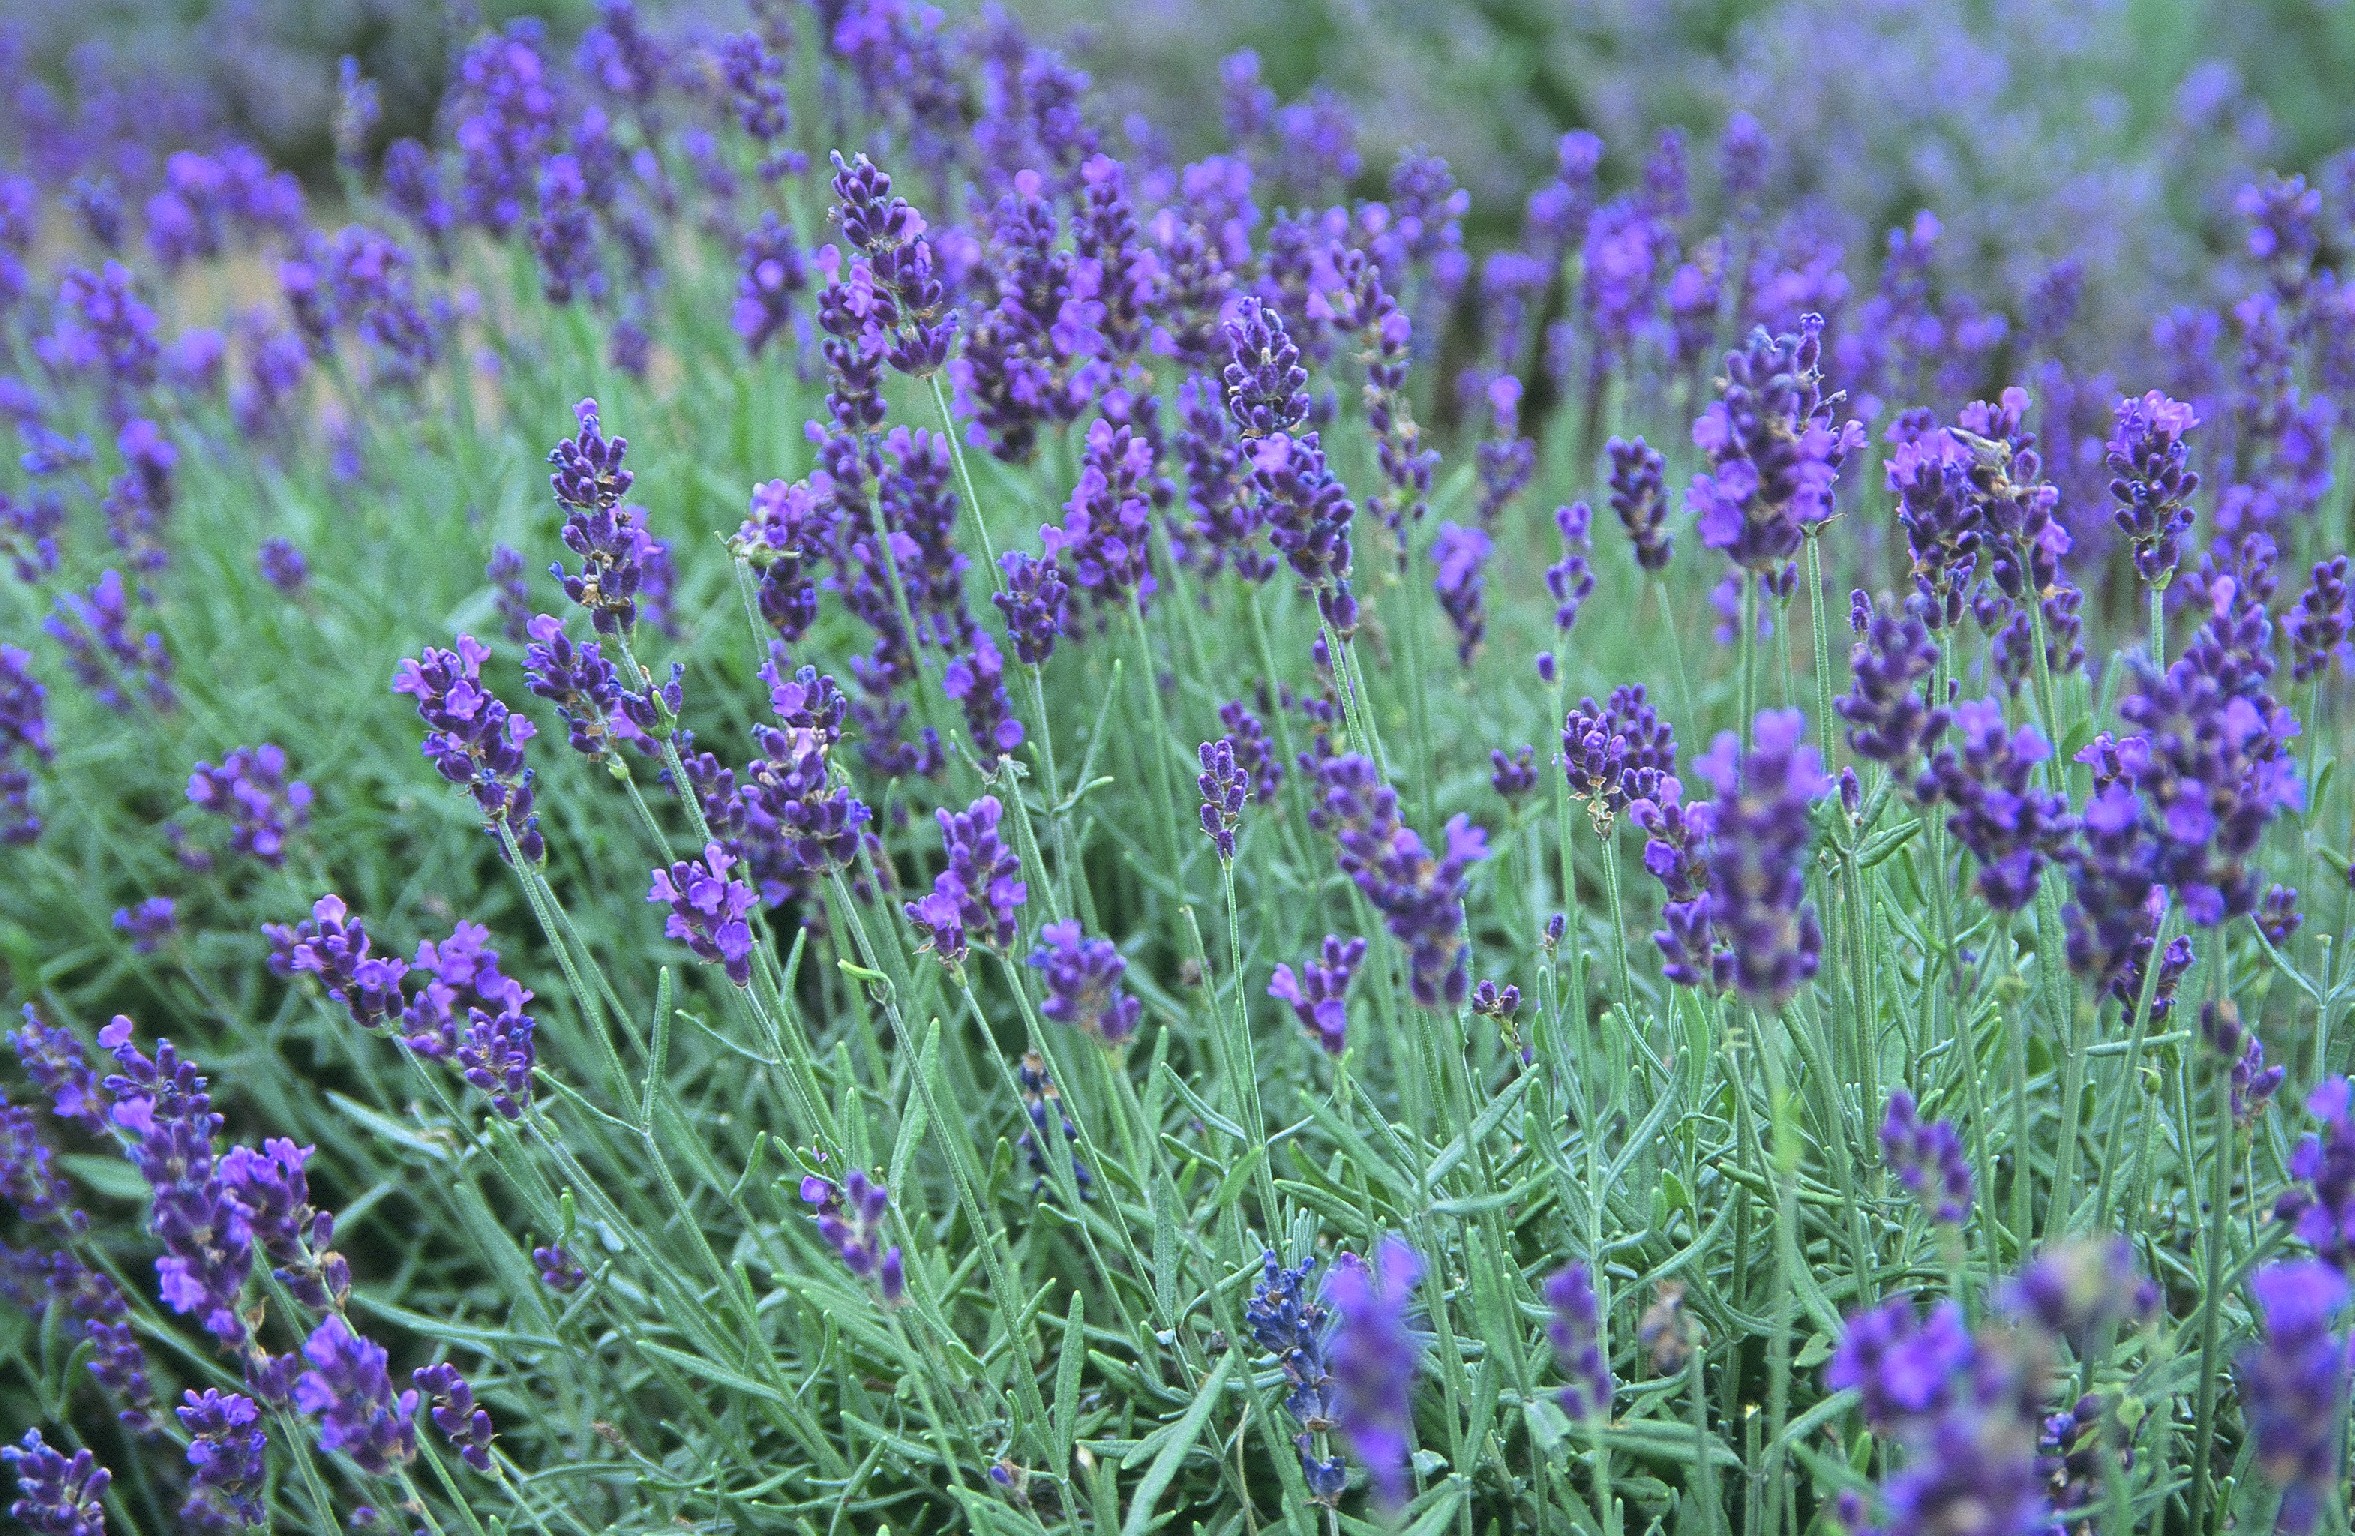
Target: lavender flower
348, 1390
1420, 897
148, 924
2012, 828
1224, 789
976, 681
2253, 1083
1617, 753
24, 733
163, 1108
1775, 448
709, 911
60, 1495
850, 1219
333, 946
451, 1404
2154, 486
1105, 540
587, 691
610, 539
2293, 1386
1083, 983
1033, 605
1461, 557
1512, 775
283, 566
771, 273
1890, 721
1114, 263
1308, 512
1758, 847
1374, 1355
893, 282
250, 790
976, 898
1576, 1331
473, 740
95, 633
559, 1270
1504, 459
1571, 580
1930, 475
1266, 388
1318, 995
1295, 1326
1928, 1160
2318, 626
2320, 1206
226, 1449
1255, 754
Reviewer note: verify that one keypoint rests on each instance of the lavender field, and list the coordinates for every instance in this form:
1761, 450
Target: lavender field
841, 769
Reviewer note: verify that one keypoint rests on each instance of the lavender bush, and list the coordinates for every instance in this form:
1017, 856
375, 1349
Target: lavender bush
792, 787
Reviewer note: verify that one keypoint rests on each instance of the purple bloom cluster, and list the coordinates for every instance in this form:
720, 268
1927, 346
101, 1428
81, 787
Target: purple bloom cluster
598, 710
1987, 775
1224, 787
1570, 581
1576, 1331
1373, 1359
250, 790
1775, 447
120, 671
1927, 1157
2319, 625
1758, 844
1891, 720
710, 911
1617, 753
1104, 543
1420, 896
1460, 557
1639, 498
891, 286
976, 899
226, 1450
1034, 605
59, 1495
1319, 994
610, 538
350, 1393
24, 740
473, 741
1291, 1323
2153, 484
850, 1219
2253, 1083
2320, 1206
450, 1403
2293, 1386
1083, 983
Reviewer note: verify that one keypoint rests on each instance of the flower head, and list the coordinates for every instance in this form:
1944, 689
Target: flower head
1318, 994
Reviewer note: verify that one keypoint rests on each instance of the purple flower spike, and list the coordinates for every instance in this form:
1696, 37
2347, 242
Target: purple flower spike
59, 1495
452, 1406
1616, 754
977, 898
1266, 388
473, 740
771, 273
1083, 983
2321, 1204
1639, 498
2253, 1082
1461, 557
2293, 1386
2318, 626
559, 1270
283, 566
1308, 513
709, 911
250, 790
1224, 788
226, 1458
1033, 605
1757, 858
1374, 1354
1890, 719
1576, 1331
148, 924
1928, 1160
2153, 485
1775, 446
2012, 828
348, 1390
1319, 995
850, 1219
610, 539
1420, 896
1570, 581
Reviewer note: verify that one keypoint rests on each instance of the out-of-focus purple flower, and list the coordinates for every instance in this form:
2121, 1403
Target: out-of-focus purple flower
1083, 983
138, 504
450, 1403
2318, 626
1928, 1160
1504, 459
1459, 556
1374, 1354
2320, 1206
226, 1459
1318, 994
559, 1270
414, 188
504, 109
148, 924
564, 232
1512, 774
283, 565
1290, 1322
755, 78
61, 1069
58, 1495
95, 633
770, 272
1308, 512
473, 740
850, 1218
1255, 754
2012, 827
2253, 1083
1616, 753
1775, 447
1576, 1332
250, 790
975, 679
2277, 915
2284, 216
1757, 856
2293, 1387
349, 1391
1420, 895
709, 911
24, 734
510, 598
103, 328
976, 899
1628, 251
1904, 1367
610, 538
1027, 359
2153, 484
